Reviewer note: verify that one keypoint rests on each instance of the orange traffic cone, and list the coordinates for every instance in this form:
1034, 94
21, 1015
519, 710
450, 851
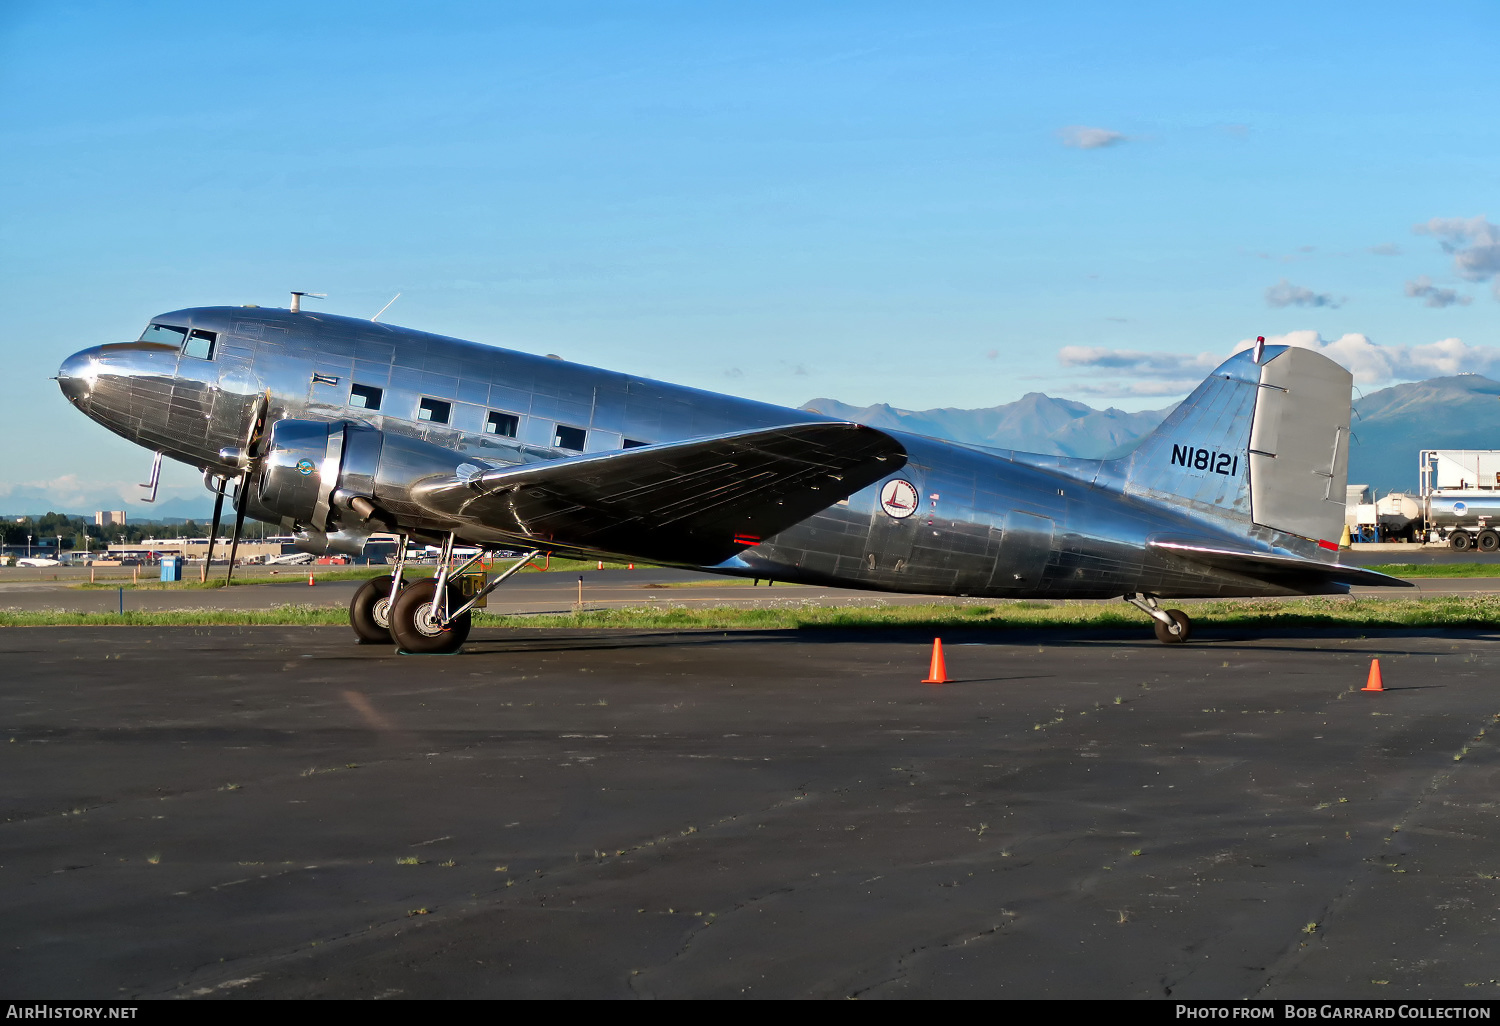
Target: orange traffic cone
632, 566
1373, 684
310, 582
937, 673
601, 564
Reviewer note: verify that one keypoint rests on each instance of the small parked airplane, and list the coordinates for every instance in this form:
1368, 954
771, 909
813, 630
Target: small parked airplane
334, 428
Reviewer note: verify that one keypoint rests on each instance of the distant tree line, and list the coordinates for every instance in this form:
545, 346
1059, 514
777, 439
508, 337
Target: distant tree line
45, 529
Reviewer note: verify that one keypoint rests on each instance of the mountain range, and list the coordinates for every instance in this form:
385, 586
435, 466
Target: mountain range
1390, 427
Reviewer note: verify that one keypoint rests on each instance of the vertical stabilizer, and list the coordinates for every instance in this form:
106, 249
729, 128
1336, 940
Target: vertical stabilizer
1257, 445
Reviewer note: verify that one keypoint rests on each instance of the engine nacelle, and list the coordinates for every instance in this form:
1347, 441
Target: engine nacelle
333, 483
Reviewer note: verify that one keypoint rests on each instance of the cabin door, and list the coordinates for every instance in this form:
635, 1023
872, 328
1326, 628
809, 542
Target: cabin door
1025, 547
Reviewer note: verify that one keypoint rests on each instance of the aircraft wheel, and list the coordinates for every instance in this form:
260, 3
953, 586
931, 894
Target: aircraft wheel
413, 627
1459, 540
1489, 541
1184, 628
370, 611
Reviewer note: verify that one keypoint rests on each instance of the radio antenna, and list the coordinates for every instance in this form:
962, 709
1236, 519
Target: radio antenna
387, 306
297, 299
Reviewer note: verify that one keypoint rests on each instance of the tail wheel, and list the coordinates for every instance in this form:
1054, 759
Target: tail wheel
414, 627
1184, 628
1459, 540
1489, 541
370, 611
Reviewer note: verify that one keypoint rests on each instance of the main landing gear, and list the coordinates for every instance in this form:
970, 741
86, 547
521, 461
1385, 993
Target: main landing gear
428, 616
1172, 625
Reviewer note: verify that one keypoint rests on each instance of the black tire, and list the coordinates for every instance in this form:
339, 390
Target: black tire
370, 613
1489, 541
411, 627
1460, 540
1184, 628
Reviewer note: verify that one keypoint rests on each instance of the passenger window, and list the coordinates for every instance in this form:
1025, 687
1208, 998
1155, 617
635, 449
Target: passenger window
570, 438
434, 410
165, 334
200, 345
631, 443
503, 424
364, 397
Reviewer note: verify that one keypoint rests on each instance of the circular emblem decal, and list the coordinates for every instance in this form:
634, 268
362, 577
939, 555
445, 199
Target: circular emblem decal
899, 498
305, 467
1460, 508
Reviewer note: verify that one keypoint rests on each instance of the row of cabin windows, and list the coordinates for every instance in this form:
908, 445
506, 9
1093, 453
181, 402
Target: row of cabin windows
505, 425
199, 345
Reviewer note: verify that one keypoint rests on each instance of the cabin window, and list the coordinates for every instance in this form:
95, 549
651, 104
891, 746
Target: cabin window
434, 410
570, 438
200, 344
631, 443
165, 334
503, 424
365, 397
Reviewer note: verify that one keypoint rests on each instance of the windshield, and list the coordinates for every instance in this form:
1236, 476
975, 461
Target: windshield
165, 334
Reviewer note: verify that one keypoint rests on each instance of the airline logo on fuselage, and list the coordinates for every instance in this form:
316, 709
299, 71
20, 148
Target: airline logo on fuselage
899, 498
1210, 460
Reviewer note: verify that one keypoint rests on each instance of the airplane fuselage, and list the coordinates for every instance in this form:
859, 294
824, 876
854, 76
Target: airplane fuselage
954, 520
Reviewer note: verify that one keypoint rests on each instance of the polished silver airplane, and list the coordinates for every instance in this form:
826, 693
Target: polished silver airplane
334, 428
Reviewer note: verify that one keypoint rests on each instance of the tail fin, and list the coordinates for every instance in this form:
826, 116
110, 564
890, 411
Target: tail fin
1260, 444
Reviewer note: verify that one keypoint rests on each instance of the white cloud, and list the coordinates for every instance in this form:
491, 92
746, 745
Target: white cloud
1135, 389
1473, 241
1284, 293
1386, 249
1148, 374
1373, 364
1139, 364
1082, 137
1422, 288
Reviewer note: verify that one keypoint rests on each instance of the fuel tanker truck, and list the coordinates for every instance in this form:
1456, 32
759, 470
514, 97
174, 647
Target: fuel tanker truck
1459, 503
1460, 497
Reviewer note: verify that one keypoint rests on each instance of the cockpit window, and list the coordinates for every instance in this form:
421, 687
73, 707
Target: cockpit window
200, 344
165, 334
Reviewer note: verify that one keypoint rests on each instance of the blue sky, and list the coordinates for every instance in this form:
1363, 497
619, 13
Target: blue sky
938, 204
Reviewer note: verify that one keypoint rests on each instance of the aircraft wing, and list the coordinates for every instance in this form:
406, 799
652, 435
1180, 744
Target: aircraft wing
695, 502
1272, 565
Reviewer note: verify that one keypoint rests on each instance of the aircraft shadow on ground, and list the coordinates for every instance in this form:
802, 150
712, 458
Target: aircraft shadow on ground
486, 643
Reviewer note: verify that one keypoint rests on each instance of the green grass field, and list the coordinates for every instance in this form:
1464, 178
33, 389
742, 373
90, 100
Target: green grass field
1454, 611
1438, 569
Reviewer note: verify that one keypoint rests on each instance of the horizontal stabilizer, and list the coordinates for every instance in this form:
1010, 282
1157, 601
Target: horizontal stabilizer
1270, 565
698, 502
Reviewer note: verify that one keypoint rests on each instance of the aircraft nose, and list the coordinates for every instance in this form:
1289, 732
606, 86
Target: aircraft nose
77, 375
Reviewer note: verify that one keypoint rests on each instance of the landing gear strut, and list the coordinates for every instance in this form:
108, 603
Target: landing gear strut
428, 616
1172, 625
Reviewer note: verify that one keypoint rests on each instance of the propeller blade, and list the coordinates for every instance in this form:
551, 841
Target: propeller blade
239, 525
214, 531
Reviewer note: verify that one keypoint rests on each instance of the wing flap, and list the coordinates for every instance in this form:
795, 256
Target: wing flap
1274, 565
695, 502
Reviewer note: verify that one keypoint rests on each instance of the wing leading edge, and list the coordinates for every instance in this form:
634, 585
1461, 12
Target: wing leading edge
1275, 566
695, 502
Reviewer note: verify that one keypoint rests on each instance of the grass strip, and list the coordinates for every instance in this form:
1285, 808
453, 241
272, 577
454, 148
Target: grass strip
1438, 569
1446, 611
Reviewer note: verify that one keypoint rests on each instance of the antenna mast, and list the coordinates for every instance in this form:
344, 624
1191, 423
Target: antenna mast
297, 299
